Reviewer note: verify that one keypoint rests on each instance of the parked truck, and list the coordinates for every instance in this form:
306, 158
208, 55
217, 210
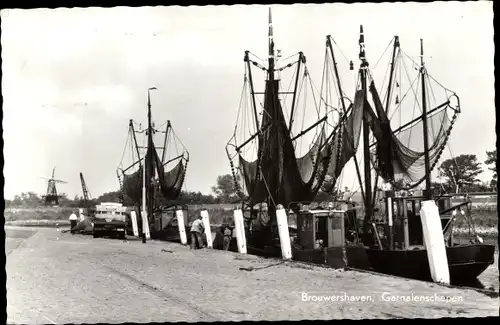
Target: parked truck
110, 220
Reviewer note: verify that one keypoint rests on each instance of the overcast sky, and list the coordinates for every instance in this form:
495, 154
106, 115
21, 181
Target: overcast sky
72, 78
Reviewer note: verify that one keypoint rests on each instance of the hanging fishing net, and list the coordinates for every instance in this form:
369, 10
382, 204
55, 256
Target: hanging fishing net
345, 142
166, 173
277, 172
280, 169
398, 154
132, 185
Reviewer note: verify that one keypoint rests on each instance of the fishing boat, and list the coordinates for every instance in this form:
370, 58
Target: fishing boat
152, 179
273, 169
394, 235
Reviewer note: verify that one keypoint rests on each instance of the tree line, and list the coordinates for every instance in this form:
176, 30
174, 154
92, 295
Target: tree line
459, 175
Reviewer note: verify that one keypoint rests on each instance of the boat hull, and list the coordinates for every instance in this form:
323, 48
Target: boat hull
355, 255
465, 262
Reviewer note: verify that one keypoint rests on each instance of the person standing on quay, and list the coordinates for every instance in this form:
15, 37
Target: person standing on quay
228, 235
73, 220
197, 229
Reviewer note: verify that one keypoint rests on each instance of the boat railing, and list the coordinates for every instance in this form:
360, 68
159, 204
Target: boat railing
402, 226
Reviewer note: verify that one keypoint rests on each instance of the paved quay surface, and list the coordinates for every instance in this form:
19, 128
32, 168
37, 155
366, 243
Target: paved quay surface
57, 278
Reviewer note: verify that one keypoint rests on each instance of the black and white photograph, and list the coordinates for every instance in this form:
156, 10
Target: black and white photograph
250, 162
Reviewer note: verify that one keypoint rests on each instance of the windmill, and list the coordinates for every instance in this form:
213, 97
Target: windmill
51, 198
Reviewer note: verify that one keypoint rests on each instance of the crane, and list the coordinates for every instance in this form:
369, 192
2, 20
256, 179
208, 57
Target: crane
86, 196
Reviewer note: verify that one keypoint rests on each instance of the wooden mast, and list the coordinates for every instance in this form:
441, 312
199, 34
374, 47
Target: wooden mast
131, 126
270, 70
147, 195
366, 132
344, 110
165, 142
271, 208
427, 194
388, 99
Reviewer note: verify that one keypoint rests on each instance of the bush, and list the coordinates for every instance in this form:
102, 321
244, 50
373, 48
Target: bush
480, 217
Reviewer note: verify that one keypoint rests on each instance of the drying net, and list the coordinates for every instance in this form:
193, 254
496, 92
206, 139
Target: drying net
398, 154
171, 180
269, 164
132, 185
277, 172
345, 137
170, 169
345, 142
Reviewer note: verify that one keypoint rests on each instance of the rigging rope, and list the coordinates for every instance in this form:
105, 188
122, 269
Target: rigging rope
125, 148
285, 110
338, 47
175, 135
241, 98
388, 86
414, 92
454, 160
303, 115
267, 187
313, 87
375, 66
431, 91
325, 63
402, 99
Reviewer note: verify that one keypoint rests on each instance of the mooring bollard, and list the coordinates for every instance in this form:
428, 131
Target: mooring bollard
182, 226
208, 231
135, 227
434, 242
239, 226
145, 227
282, 219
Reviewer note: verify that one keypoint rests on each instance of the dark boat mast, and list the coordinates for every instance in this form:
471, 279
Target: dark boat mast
388, 99
149, 163
366, 132
131, 126
344, 110
254, 105
427, 194
165, 142
271, 204
270, 71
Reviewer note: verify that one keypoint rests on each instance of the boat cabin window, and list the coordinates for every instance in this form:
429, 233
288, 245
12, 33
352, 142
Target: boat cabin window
443, 204
306, 231
409, 208
322, 229
306, 223
326, 227
415, 232
337, 231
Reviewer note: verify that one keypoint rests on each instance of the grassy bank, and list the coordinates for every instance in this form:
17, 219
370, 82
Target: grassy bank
482, 217
39, 223
41, 213
489, 239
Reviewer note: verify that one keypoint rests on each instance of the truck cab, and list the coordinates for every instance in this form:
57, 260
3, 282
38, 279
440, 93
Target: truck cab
110, 220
